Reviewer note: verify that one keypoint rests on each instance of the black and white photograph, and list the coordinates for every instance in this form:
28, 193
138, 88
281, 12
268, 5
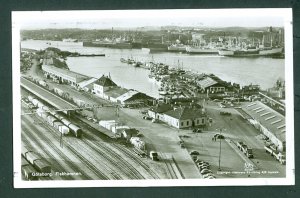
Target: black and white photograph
186, 97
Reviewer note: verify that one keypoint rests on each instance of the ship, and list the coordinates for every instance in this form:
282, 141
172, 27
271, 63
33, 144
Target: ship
154, 47
177, 48
271, 51
201, 50
251, 52
70, 40
108, 44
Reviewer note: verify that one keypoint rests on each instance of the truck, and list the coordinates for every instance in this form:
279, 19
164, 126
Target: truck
276, 154
245, 149
154, 155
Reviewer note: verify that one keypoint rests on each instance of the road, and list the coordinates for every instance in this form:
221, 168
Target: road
236, 128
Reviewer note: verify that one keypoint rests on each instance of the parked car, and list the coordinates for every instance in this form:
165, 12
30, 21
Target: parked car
201, 162
194, 153
219, 136
211, 177
197, 130
203, 166
225, 113
208, 175
205, 171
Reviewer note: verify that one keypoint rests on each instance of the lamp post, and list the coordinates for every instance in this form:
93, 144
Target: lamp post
220, 150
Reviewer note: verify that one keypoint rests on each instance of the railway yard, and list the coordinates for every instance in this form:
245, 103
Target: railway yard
61, 141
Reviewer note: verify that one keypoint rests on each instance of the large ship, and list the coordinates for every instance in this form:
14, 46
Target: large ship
108, 44
251, 52
201, 50
271, 51
177, 48
155, 47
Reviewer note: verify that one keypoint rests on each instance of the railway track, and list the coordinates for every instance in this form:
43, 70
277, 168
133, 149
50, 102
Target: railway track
58, 165
129, 154
169, 166
114, 158
132, 155
82, 158
90, 166
26, 142
101, 157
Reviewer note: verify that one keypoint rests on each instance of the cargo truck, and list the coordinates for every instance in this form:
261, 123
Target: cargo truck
276, 154
154, 155
245, 149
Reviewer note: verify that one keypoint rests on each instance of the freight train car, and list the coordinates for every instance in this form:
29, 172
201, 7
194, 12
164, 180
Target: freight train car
27, 169
54, 119
36, 160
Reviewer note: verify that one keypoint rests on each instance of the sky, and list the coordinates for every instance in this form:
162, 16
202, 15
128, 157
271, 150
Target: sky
141, 18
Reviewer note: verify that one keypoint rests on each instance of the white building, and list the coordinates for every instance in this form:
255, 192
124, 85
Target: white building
103, 84
184, 117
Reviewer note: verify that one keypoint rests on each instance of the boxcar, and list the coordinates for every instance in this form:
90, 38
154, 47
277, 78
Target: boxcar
42, 166
56, 124
65, 121
75, 130
31, 157
27, 169
63, 129
51, 119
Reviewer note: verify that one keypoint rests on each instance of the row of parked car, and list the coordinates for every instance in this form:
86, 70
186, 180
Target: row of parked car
204, 169
203, 166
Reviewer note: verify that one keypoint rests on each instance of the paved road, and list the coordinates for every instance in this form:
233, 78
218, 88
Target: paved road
238, 129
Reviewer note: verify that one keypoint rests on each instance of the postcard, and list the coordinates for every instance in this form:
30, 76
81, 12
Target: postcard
137, 98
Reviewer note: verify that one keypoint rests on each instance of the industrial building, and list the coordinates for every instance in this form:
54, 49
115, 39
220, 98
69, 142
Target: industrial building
210, 85
266, 120
63, 75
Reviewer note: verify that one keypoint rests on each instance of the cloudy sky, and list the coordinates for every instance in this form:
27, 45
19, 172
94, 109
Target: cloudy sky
140, 18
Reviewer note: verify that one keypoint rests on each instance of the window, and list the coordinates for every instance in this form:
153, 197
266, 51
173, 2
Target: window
202, 120
181, 123
187, 122
197, 121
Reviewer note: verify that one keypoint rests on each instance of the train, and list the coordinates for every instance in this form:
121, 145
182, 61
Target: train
36, 161
27, 169
54, 119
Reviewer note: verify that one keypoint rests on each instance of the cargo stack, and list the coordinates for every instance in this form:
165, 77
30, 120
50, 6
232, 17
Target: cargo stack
138, 143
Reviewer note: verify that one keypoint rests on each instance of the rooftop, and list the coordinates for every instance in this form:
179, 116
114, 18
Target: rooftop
161, 108
206, 82
105, 81
269, 118
64, 73
184, 113
115, 92
127, 95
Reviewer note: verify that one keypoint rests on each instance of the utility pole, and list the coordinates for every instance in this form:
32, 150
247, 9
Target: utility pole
220, 148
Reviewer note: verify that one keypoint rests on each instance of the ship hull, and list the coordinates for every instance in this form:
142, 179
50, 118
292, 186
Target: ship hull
255, 53
201, 51
108, 45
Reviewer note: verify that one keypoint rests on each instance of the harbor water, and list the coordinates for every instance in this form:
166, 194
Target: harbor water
259, 70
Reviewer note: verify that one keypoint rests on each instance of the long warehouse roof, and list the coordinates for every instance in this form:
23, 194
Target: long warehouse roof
46, 95
269, 118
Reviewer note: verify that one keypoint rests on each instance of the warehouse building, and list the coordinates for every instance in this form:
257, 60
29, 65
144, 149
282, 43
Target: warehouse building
63, 75
266, 120
184, 117
210, 85
133, 98
157, 111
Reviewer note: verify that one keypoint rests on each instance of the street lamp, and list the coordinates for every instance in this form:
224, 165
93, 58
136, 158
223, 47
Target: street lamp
221, 129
